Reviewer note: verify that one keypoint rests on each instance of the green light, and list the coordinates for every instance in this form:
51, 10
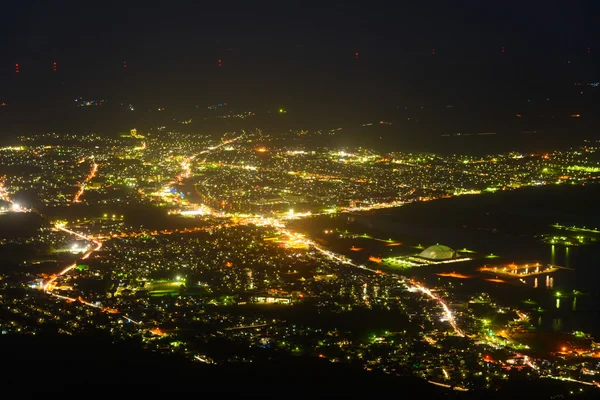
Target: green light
583, 168
281, 110
557, 294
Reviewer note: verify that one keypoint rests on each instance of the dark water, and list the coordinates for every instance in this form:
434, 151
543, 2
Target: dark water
504, 224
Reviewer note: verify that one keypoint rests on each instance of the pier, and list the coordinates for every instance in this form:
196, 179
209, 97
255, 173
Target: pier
521, 271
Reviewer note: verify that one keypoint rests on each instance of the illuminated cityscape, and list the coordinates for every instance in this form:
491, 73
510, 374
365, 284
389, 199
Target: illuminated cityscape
279, 199
152, 235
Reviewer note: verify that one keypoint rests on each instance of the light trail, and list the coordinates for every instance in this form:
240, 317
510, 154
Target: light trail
90, 176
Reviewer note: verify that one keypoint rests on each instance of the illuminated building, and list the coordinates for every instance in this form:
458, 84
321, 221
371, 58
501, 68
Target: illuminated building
438, 253
273, 300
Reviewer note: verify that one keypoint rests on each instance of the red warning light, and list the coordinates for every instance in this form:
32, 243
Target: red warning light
356, 55
502, 49
124, 64
54, 66
17, 68
220, 63
589, 49
433, 52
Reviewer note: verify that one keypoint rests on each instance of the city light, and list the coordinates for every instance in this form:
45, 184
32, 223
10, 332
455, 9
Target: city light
392, 230
240, 221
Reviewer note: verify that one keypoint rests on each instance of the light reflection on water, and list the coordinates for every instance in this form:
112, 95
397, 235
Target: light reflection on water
557, 325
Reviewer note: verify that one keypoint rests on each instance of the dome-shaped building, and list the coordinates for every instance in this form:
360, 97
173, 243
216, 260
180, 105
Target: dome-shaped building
438, 252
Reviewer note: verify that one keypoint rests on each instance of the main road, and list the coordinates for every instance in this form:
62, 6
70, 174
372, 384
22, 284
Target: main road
48, 286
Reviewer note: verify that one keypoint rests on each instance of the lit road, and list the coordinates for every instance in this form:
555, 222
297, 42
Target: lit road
48, 286
90, 176
277, 223
235, 328
447, 312
183, 165
414, 286
52, 280
296, 237
223, 143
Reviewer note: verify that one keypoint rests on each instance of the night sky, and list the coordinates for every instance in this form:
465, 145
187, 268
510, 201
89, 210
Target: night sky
187, 30
301, 54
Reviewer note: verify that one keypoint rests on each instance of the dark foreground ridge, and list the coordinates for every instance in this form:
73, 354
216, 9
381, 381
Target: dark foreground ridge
65, 364
58, 363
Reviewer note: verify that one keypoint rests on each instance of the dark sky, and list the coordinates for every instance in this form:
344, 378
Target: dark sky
102, 30
300, 53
